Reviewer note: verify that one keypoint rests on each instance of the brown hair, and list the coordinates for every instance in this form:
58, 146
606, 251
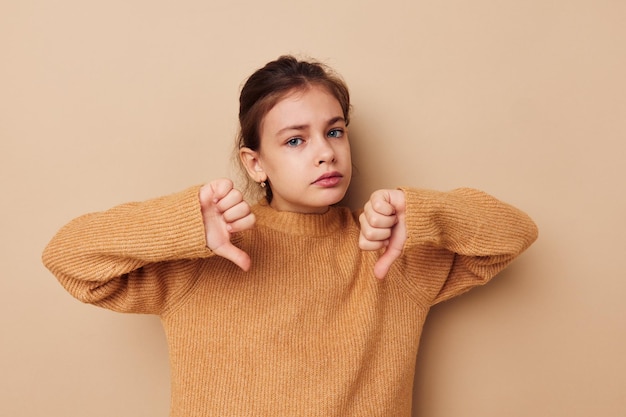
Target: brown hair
269, 84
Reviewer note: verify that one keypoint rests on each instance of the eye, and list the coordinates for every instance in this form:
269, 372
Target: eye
335, 133
293, 142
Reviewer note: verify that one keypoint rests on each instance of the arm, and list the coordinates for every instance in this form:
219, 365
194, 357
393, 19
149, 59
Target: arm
136, 257
471, 231
118, 258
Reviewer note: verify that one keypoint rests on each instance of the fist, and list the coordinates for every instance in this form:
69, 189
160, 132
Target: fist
383, 226
224, 212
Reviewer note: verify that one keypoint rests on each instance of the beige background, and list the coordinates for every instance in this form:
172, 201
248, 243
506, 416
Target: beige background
103, 102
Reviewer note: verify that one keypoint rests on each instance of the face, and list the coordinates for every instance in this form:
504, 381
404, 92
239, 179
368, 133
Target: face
304, 152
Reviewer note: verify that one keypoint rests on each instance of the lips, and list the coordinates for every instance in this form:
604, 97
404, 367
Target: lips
329, 179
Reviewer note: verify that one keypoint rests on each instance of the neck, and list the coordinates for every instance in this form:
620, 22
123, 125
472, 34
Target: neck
301, 210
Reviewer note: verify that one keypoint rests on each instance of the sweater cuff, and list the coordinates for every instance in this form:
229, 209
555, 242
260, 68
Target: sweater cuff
175, 221
422, 209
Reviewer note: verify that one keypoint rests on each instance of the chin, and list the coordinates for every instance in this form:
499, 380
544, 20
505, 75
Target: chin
335, 198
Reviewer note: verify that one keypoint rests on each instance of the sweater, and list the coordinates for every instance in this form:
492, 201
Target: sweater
308, 330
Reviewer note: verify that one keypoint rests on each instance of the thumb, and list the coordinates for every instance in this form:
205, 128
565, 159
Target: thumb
234, 254
383, 264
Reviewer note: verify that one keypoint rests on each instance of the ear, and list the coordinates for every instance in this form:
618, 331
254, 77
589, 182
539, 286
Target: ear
250, 160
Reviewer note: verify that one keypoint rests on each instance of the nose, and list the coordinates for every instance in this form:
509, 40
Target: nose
325, 153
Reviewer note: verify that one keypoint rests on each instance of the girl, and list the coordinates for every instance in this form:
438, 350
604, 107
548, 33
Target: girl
276, 309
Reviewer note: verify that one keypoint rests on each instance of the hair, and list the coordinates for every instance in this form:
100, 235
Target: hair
268, 85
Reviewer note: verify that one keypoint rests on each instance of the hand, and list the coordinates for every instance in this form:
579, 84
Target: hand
383, 226
224, 211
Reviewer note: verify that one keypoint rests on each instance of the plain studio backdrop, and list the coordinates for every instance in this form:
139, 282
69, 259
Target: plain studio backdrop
104, 102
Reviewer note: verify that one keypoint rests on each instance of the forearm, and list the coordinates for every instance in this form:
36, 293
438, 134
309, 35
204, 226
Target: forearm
93, 255
468, 222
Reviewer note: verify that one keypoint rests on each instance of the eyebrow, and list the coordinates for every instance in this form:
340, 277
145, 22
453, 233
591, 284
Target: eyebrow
302, 127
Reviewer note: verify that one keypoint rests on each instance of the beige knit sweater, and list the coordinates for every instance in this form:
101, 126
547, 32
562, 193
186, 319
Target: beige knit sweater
308, 331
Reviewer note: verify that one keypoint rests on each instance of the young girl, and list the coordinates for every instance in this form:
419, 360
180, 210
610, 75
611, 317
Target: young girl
292, 306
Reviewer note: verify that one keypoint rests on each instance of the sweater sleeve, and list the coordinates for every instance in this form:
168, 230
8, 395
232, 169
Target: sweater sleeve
136, 257
460, 239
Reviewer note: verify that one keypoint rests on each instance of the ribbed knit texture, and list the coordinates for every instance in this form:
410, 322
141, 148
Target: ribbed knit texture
308, 331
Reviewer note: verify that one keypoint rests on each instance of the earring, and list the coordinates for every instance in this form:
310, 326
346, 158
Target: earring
262, 184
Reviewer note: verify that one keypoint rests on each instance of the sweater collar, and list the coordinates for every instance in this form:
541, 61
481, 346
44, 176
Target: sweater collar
300, 223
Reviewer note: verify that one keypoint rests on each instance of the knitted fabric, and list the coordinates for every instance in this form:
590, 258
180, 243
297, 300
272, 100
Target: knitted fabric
309, 330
